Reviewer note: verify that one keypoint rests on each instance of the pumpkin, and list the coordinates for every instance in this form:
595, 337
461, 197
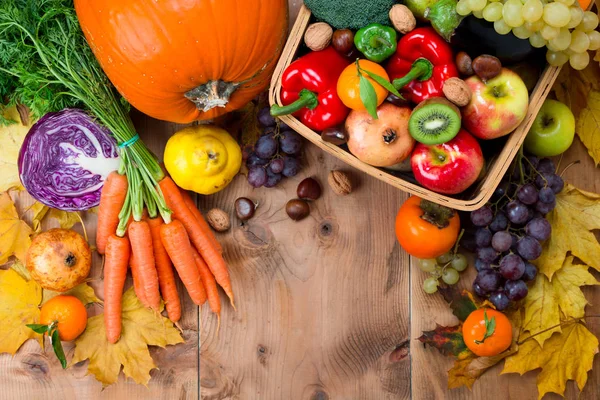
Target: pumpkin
186, 60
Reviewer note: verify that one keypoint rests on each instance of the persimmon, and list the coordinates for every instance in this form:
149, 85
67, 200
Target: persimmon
487, 332
425, 229
68, 314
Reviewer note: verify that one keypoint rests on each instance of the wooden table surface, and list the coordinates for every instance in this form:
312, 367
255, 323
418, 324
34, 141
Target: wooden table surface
328, 308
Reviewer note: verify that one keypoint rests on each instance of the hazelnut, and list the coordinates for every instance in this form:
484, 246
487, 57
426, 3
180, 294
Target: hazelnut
339, 183
318, 36
297, 209
464, 64
218, 219
309, 189
402, 18
487, 67
457, 91
244, 208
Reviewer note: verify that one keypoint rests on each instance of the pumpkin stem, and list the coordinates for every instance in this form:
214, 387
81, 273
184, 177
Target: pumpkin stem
70, 260
212, 94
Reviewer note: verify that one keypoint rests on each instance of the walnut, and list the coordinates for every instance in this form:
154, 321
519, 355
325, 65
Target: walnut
457, 91
318, 36
218, 219
402, 18
339, 183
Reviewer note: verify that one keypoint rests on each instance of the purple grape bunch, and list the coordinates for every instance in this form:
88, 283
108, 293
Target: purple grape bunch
509, 231
276, 153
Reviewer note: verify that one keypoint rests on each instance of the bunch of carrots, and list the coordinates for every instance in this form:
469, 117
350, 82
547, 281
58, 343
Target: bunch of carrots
151, 245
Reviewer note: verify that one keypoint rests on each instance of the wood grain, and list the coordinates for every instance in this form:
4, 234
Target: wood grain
323, 302
35, 374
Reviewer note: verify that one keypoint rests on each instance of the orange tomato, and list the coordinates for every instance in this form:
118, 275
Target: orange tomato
68, 312
348, 85
479, 336
421, 238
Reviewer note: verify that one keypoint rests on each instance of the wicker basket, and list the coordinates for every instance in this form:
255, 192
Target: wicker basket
477, 196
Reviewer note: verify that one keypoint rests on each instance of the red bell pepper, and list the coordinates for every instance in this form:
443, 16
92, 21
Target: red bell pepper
422, 63
309, 90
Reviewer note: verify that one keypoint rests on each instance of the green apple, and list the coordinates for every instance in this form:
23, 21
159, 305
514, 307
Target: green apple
552, 131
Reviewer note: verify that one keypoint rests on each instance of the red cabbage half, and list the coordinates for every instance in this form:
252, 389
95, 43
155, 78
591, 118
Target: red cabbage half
65, 158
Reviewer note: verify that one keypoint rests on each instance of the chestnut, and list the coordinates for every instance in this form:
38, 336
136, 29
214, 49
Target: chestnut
297, 209
309, 189
244, 208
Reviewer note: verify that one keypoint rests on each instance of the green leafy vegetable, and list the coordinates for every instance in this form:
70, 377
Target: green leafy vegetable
46, 64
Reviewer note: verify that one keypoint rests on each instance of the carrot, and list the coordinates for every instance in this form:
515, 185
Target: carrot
115, 273
177, 243
210, 285
138, 286
141, 247
164, 267
197, 235
198, 215
112, 199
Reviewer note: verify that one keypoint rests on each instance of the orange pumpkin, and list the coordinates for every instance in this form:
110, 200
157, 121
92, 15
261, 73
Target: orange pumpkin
186, 60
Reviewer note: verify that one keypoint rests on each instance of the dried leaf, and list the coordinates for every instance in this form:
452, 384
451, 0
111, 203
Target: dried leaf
466, 371
14, 232
576, 215
11, 139
19, 305
572, 87
565, 356
547, 301
20, 269
448, 340
588, 126
83, 292
39, 212
462, 303
142, 327
65, 219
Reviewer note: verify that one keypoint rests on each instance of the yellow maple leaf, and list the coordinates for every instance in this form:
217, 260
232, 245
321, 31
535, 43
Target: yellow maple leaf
19, 305
11, 139
83, 292
577, 213
142, 327
547, 303
572, 87
14, 232
588, 125
565, 356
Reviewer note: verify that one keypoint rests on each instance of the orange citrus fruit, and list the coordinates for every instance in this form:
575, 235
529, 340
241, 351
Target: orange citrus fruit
68, 312
348, 85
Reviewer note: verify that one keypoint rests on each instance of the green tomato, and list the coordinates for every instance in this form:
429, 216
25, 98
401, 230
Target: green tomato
552, 131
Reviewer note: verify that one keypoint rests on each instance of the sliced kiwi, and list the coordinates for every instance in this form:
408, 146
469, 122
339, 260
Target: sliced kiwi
434, 121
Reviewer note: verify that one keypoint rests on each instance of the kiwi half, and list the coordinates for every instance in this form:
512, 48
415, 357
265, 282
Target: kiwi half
434, 121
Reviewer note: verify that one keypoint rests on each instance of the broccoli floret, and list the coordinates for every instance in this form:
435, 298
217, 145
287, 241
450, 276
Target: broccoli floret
351, 14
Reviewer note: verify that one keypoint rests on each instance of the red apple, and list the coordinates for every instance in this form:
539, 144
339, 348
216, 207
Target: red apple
450, 167
497, 106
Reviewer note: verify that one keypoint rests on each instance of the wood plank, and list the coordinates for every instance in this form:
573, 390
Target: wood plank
322, 303
35, 374
429, 367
